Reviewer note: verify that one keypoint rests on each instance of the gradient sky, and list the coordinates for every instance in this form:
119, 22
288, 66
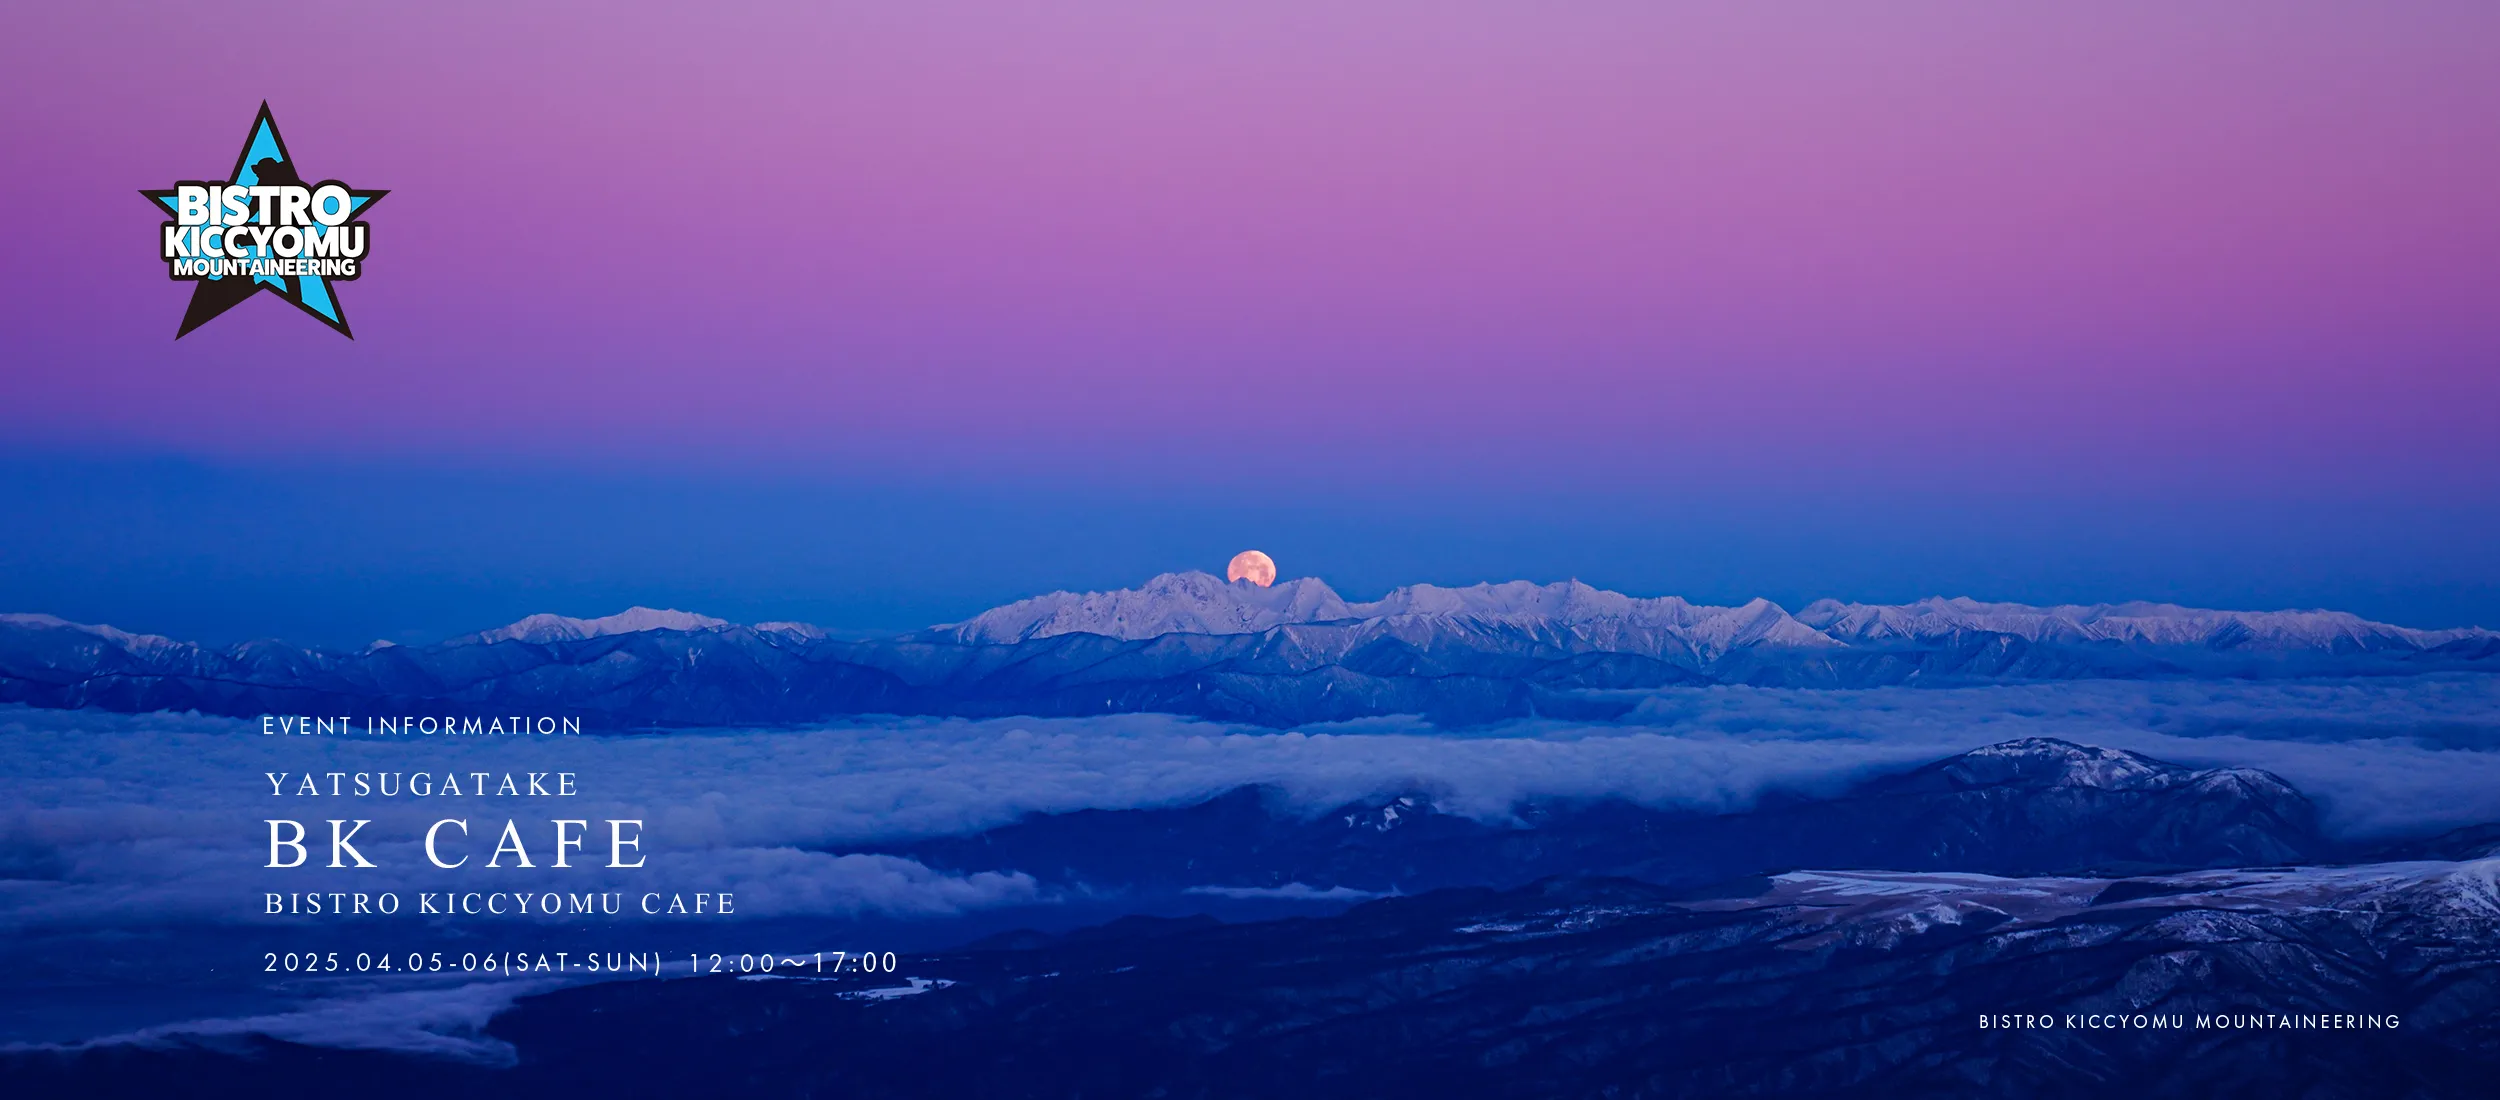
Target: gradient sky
2190, 300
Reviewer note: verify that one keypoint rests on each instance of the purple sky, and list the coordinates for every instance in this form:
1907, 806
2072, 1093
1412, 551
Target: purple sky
2259, 240
2121, 250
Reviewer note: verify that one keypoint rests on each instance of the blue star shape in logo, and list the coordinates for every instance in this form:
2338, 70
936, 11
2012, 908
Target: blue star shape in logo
265, 161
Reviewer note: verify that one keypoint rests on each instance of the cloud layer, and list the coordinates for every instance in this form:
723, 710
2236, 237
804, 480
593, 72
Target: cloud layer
154, 817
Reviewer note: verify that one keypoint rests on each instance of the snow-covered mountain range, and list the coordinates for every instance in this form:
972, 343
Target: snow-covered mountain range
1190, 643
1198, 603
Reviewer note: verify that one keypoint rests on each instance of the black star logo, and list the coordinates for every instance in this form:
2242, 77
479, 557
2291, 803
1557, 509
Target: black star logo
265, 162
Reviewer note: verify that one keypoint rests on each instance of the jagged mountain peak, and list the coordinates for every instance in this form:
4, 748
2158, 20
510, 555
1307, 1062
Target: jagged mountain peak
1172, 603
2048, 761
558, 628
136, 643
2041, 763
1567, 599
808, 631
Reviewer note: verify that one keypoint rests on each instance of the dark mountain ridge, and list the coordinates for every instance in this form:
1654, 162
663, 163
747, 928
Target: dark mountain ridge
2370, 982
2033, 806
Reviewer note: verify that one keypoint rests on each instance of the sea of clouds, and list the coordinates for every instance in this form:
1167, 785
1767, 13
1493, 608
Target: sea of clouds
150, 818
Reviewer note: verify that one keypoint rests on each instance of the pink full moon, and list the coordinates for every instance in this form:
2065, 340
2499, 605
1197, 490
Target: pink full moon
1252, 566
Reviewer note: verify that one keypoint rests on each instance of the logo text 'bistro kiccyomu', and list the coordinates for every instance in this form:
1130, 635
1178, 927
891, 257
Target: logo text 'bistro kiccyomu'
264, 227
